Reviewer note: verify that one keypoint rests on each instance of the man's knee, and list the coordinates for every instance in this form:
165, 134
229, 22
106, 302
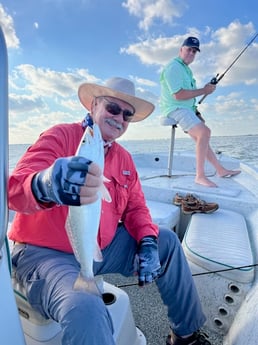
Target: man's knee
168, 240
205, 131
81, 306
200, 131
81, 317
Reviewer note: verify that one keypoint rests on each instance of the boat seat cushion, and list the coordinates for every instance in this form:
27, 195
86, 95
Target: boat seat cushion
167, 121
164, 214
220, 241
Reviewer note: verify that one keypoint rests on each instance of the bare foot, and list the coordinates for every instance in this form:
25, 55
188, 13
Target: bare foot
229, 173
204, 181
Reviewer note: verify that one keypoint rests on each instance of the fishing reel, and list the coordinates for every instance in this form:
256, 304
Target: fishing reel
215, 80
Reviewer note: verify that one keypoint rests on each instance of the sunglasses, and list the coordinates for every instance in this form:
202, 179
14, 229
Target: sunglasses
115, 109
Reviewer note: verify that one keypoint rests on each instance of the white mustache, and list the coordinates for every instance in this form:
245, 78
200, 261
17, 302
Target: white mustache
114, 123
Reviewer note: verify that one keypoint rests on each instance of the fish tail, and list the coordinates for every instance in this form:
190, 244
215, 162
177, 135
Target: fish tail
92, 285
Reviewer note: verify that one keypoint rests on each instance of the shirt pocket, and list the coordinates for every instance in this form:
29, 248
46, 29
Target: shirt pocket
118, 188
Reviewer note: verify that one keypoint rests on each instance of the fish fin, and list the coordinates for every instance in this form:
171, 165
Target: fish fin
105, 193
97, 254
93, 285
100, 283
105, 179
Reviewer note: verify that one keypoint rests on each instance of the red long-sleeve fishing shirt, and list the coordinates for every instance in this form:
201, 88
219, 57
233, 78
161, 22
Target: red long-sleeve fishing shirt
45, 226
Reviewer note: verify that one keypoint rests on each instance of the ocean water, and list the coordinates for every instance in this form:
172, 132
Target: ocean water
241, 147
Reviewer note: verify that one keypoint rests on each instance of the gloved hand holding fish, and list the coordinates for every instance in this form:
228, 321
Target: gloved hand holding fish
68, 181
83, 221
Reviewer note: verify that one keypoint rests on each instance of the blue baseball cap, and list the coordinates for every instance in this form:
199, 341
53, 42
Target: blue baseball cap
192, 42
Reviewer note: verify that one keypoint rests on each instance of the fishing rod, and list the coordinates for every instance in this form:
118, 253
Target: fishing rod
216, 79
201, 273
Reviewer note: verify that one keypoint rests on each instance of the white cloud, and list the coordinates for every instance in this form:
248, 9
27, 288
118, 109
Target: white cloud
155, 51
34, 91
46, 82
149, 10
7, 24
142, 81
25, 103
27, 130
218, 51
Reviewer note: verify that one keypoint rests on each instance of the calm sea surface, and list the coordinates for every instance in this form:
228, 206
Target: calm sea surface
240, 147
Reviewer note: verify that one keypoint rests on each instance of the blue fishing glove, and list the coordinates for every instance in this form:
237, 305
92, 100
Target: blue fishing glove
61, 182
149, 264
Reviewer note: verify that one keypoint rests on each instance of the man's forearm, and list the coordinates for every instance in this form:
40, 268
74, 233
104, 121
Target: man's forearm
188, 94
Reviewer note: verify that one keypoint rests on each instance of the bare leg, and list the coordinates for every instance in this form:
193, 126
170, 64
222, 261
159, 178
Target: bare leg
201, 135
221, 171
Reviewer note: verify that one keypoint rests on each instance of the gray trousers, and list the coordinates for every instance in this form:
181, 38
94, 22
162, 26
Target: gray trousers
48, 277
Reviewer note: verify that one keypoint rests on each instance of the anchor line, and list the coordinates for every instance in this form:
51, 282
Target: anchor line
199, 274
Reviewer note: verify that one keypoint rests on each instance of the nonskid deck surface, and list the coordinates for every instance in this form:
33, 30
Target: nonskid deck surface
149, 312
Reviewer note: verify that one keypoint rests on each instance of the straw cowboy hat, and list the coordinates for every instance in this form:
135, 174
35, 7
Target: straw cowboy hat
119, 88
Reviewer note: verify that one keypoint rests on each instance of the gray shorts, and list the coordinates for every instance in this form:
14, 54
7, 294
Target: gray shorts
186, 118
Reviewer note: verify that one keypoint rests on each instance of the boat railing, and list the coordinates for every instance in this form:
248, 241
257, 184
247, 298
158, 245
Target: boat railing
4, 139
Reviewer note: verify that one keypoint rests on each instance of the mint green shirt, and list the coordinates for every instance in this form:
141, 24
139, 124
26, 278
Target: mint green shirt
175, 76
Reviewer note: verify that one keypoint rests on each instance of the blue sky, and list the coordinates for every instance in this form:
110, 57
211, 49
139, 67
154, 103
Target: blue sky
55, 45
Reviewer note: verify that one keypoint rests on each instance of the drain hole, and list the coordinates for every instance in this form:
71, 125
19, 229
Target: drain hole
218, 323
108, 298
223, 311
234, 288
229, 299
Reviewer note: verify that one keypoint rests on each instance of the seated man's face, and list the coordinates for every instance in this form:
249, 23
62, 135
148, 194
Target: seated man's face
112, 115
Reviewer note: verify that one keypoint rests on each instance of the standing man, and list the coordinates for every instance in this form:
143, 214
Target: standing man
178, 93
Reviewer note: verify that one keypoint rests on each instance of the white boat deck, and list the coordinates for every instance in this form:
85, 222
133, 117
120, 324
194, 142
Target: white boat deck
230, 193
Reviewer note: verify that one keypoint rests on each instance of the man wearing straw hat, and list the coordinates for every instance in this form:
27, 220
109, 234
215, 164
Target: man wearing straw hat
43, 259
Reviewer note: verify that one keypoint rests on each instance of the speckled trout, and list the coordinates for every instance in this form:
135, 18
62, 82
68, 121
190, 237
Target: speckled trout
83, 221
